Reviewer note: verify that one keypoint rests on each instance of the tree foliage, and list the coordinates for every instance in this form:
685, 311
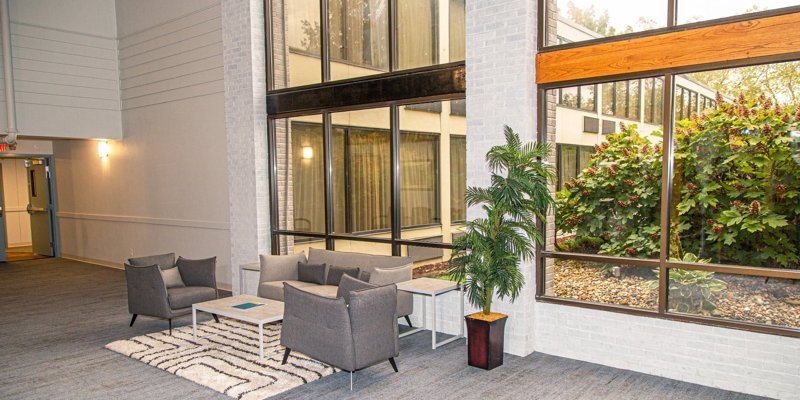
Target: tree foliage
736, 196
488, 255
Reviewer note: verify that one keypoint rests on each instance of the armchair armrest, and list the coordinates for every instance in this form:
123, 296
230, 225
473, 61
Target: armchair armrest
373, 318
147, 294
198, 272
317, 326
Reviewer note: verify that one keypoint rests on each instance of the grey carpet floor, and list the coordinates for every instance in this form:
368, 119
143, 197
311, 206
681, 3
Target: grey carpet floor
56, 315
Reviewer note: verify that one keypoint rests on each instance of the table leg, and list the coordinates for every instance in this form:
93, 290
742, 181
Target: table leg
261, 343
194, 324
424, 313
241, 281
433, 322
462, 322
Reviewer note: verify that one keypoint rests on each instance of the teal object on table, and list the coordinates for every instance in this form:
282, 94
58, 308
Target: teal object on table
245, 306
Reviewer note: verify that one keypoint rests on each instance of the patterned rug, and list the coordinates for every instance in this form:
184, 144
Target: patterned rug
226, 360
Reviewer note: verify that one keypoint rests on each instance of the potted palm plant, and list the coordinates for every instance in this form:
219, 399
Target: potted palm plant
488, 255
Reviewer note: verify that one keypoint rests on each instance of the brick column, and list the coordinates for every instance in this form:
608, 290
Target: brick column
501, 48
245, 122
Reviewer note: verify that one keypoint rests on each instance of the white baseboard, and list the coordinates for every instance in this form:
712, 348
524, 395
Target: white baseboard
223, 286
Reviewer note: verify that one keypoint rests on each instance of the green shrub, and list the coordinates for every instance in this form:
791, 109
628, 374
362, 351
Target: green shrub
689, 290
736, 195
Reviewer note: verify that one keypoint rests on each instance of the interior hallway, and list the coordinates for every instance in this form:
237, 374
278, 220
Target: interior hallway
56, 315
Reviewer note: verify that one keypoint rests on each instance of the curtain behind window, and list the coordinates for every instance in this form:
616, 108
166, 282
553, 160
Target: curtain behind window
568, 159
419, 179
370, 180
458, 32
308, 178
458, 178
415, 33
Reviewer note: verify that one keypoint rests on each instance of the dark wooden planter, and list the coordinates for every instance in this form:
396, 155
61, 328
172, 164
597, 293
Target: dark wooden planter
485, 342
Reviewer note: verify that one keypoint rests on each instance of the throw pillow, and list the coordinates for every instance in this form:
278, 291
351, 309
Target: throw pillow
335, 273
312, 273
364, 275
172, 278
386, 276
200, 272
349, 284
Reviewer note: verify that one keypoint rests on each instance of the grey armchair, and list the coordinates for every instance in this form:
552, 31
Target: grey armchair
350, 337
149, 295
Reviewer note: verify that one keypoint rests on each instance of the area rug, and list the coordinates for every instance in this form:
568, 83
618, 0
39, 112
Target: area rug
226, 358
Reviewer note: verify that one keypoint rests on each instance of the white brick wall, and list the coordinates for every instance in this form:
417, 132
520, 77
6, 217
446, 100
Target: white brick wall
748, 362
245, 120
501, 46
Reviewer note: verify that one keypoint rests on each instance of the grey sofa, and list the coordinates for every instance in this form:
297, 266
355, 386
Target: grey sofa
375, 269
347, 336
149, 295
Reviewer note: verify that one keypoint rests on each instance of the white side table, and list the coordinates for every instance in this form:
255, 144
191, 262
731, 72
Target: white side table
244, 269
433, 287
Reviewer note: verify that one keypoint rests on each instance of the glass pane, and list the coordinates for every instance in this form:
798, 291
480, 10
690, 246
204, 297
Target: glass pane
633, 99
429, 262
417, 33
608, 99
587, 97
357, 246
458, 32
301, 195
736, 185
608, 193
693, 11
421, 132
569, 97
296, 43
458, 178
756, 299
595, 282
295, 244
362, 172
580, 20
359, 37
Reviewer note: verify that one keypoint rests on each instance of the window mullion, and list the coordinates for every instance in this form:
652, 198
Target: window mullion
666, 190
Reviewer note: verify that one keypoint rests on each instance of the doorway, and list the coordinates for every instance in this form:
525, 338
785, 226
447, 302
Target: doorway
27, 216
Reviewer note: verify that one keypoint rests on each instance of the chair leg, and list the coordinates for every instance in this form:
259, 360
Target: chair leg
216, 318
170, 326
408, 321
394, 364
133, 319
286, 355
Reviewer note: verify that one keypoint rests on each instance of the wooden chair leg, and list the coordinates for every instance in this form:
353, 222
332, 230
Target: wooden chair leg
133, 319
394, 364
286, 355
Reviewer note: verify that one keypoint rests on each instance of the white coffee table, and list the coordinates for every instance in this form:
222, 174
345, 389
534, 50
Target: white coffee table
433, 287
269, 311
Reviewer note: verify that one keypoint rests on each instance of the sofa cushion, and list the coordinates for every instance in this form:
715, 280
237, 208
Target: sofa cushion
349, 284
335, 273
367, 262
386, 276
274, 290
172, 278
164, 261
321, 290
364, 275
200, 272
312, 273
280, 268
182, 297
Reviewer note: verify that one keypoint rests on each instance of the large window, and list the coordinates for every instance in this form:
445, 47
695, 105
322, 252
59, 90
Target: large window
688, 214
428, 32
582, 97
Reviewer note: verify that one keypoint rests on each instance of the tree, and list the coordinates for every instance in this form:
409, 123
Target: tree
781, 82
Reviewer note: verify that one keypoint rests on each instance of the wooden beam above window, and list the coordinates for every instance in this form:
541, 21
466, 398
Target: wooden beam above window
735, 44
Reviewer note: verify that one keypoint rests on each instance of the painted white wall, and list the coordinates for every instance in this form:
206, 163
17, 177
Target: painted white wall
15, 201
65, 69
165, 186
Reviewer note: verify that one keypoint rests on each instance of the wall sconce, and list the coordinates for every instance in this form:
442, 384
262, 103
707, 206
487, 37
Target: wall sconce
102, 149
308, 153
